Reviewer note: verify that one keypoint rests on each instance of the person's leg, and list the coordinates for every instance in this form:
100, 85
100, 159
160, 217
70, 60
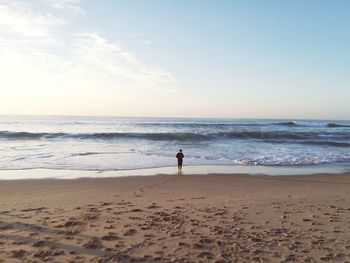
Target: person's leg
179, 165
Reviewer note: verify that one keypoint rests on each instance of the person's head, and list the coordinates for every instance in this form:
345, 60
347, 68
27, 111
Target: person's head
180, 150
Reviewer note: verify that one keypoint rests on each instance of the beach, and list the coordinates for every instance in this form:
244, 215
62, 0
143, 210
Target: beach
174, 131
177, 218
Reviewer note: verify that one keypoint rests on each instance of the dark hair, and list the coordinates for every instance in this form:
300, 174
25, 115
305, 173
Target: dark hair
180, 150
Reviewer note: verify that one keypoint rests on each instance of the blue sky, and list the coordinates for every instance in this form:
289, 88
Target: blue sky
240, 59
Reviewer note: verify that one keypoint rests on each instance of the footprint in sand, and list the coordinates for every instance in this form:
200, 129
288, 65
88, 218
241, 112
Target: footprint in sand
130, 232
20, 253
111, 236
93, 243
153, 206
198, 198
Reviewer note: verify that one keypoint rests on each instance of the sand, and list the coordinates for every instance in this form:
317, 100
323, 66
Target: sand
202, 218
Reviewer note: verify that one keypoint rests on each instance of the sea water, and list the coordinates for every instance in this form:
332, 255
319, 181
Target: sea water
112, 144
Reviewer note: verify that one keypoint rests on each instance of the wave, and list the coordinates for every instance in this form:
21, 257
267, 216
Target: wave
285, 135
219, 125
84, 154
311, 142
181, 136
330, 138
287, 123
29, 135
311, 124
265, 135
327, 143
335, 125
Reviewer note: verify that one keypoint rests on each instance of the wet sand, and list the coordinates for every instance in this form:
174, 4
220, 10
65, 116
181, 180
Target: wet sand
209, 218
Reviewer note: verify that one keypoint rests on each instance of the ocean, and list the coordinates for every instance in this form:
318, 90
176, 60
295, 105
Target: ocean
114, 144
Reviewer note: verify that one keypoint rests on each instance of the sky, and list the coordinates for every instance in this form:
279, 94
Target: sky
184, 58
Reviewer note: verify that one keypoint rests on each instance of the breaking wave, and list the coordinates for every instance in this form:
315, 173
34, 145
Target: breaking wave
101, 136
327, 143
315, 138
335, 125
228, 124
311, 124
287, 123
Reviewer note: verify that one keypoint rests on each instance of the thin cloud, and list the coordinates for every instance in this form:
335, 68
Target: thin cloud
113, 60
143, 40
84, 65
16, 19
73, 5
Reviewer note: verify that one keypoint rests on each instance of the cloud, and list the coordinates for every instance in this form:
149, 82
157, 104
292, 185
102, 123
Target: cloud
116, 62
73, 5
16, 19
87, 56
83, 68
143, 40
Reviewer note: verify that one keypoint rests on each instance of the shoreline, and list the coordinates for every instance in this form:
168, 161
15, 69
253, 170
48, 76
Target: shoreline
66, 174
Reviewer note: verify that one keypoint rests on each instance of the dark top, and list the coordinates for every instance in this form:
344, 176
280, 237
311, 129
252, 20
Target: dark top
180, 156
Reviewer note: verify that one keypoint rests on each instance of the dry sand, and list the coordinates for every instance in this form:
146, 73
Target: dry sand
212, 218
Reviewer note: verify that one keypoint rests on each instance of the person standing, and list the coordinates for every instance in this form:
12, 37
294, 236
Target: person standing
179, 157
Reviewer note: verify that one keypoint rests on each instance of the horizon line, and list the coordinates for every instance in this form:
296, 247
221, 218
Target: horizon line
168, 117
